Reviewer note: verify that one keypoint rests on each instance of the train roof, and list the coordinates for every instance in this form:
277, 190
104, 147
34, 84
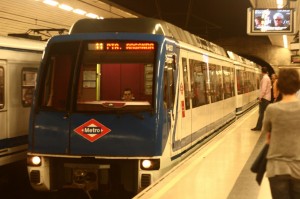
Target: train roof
21, 43
241, 59
144, 25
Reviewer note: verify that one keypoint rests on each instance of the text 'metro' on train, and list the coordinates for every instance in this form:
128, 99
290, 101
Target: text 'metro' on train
84, 135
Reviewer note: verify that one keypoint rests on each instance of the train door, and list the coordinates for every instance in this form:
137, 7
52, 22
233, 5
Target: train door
185, 101
169, 100
52, 119
3, 107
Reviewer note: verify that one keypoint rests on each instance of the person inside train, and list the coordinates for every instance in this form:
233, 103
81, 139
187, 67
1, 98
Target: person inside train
264, 97
127, 95
281, 124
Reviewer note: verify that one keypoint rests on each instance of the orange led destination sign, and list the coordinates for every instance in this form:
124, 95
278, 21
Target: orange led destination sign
117, 46
139, 46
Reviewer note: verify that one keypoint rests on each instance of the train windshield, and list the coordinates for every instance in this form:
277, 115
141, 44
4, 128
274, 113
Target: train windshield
116, 75
108, 76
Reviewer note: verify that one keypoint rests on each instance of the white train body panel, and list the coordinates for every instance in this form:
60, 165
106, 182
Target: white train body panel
18, 58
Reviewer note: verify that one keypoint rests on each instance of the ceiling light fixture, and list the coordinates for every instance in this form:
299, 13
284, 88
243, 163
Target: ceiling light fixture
279, 3
79, 11
91, 15
69, 8
50, 2
65, 7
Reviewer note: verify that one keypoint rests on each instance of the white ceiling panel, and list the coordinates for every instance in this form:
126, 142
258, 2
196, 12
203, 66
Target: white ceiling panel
18, 16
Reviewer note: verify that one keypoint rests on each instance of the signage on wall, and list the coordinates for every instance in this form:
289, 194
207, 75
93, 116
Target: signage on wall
295, 59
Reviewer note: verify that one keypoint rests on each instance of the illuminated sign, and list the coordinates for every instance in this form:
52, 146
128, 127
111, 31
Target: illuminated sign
295, 59
112, 46
118, 46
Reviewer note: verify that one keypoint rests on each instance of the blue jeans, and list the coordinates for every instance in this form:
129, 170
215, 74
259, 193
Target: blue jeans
285, 187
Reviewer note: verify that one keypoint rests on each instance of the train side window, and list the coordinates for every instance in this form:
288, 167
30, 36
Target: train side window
198, 82
228, 78
257, 76
252, 79
216, 87
169, 88
247, 82
28, 85
240, 85
1, 87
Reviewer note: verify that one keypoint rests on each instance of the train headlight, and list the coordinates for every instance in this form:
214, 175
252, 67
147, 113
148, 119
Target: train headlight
34, 160
150, 164
146, 164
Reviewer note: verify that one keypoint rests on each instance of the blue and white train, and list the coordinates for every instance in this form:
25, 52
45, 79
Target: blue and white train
19, 62
83, 135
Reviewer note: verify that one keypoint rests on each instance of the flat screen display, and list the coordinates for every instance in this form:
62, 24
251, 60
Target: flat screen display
270, 21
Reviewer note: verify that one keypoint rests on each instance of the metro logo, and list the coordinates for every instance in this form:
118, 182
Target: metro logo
92, 130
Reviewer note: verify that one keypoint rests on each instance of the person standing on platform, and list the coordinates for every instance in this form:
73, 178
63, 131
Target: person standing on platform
264, 98
273, 79
275, 94
281, 124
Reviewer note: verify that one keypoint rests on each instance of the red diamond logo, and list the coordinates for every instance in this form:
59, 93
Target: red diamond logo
92, 130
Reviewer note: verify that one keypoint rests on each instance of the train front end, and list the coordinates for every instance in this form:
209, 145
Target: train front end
83, 134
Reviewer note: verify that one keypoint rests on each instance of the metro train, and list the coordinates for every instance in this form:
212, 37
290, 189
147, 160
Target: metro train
19, 62
83, 135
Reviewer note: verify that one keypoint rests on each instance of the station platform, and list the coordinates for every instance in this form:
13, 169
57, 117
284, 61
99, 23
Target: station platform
218, 170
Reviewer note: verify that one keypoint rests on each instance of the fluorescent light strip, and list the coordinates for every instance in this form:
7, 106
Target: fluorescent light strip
79, 11
65, 7
91, 15
279, 3
50, 2
69, 8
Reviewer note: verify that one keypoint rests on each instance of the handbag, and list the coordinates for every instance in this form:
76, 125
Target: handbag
260, 163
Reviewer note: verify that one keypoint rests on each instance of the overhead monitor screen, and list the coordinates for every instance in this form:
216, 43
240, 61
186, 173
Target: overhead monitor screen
270, 21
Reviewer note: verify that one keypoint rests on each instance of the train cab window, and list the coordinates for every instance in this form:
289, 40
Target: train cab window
28, 85
56, 76
106, 71
1, 87
198, 82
